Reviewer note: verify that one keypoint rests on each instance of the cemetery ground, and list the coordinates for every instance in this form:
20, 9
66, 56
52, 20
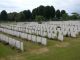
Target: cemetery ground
69, 49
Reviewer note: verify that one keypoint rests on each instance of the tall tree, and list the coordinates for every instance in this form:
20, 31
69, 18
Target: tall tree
41, 10
12, 16
47, 12
52, 10
58, 15
64, 15
34, 13
63, 12
27, 14
4, 15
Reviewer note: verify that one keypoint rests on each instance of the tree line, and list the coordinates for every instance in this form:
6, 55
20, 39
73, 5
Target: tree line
43, 13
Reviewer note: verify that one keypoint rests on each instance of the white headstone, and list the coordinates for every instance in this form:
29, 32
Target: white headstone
44, 41
34, 38
39, 39
60, 37
18, 44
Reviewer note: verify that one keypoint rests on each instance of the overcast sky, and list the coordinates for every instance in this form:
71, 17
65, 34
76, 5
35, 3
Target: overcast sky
19, 5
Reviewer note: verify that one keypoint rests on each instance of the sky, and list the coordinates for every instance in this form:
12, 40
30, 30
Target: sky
20, 5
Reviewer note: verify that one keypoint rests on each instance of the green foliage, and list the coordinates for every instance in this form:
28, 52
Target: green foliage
58, 14
40, 10
20, 17
63, 12
12, 16
34, 13
46, 11
39, 19
52, 12
27, 14
75, 16
65, 16
3, 15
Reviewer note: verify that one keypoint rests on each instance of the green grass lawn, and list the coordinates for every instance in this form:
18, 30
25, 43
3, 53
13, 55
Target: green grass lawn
55, 50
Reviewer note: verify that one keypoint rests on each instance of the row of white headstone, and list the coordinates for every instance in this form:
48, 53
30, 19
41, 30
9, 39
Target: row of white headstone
43, 33
70, 28
12, 42
30, 37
